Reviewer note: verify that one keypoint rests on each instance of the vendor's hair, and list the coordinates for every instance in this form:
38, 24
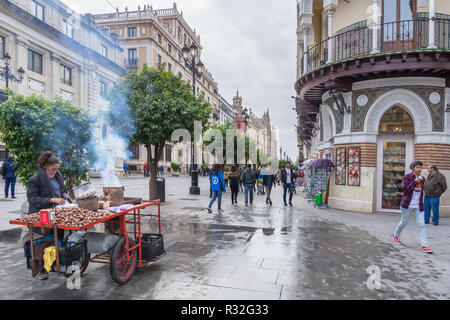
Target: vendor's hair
415, 163
47, 158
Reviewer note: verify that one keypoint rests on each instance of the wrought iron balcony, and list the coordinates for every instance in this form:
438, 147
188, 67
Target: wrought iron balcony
132, 63
409, 35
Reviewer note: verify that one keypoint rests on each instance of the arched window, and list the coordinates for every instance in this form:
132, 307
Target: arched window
396, 121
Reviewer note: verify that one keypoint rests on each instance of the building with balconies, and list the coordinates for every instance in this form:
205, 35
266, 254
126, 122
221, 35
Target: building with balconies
153, 37
64, 54
373, 94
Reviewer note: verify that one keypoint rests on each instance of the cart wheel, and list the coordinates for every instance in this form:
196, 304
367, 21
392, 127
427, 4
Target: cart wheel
121, 269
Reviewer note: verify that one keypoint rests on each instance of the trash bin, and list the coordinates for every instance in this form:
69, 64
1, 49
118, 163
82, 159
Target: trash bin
161, 189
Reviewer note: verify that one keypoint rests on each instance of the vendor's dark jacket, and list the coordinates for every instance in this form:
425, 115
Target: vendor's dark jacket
40, 191
436, 185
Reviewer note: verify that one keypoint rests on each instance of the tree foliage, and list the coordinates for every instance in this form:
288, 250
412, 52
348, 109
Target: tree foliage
157, 103
31, 125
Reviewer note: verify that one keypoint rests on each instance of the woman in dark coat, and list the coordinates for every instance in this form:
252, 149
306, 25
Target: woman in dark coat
234, 178
45, 191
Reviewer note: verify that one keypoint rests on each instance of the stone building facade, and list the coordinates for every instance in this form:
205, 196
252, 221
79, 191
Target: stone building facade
258, 129
373, 94
153, 37
64, 54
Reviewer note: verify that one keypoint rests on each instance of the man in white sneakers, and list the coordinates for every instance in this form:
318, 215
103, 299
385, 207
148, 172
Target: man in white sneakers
412, 201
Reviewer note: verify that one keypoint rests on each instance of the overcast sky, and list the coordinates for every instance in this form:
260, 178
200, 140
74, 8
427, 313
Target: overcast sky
250, 44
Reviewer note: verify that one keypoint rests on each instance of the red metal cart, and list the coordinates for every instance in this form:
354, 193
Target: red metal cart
127, 253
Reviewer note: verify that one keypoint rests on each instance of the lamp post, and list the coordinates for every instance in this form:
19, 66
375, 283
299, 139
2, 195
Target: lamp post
193, 63
7, 75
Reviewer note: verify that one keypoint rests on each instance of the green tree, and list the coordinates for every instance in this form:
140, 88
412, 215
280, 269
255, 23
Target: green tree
31, 125
157, 103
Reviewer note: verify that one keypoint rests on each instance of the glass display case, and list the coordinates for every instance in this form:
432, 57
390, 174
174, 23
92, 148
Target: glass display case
394, 158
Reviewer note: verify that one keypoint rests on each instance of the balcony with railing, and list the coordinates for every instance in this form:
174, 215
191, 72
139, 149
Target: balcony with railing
132, 63
365, 52
409, 35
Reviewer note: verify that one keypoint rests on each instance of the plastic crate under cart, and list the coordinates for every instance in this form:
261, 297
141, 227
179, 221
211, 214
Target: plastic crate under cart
152, 247
75, 255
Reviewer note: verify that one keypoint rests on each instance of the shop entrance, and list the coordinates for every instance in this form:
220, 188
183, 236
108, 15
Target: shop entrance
394, 154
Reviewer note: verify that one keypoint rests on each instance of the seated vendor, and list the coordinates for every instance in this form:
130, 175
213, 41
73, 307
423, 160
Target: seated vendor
45, 191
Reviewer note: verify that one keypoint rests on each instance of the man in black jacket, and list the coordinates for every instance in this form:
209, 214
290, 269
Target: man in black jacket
287, 178
435, 186
248, 179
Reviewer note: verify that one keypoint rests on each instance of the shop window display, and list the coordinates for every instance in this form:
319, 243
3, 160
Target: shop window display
341, 161
354, 166
393, 172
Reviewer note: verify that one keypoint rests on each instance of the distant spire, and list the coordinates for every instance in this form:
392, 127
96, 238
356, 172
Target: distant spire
237, 92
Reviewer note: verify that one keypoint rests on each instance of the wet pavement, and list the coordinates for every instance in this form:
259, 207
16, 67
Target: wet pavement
255, 253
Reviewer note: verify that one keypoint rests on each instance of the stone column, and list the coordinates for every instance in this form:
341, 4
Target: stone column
305, 49
431, 25
330, 13
375, 26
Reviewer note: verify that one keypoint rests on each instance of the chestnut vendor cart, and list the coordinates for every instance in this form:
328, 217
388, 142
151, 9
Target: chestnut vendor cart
133, 249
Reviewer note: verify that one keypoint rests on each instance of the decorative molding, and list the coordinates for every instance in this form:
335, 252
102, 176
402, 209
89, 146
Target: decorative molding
405, 98
436, 111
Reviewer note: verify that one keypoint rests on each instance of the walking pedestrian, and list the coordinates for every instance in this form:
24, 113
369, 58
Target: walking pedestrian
9, 174
217, 187
234, 184
268, 183
161, 171
412, 201
287, 176
125, 169
248, 179
435, 186
240, 180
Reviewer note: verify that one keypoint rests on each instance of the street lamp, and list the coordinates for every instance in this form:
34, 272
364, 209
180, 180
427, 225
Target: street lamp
7, 75
193, 63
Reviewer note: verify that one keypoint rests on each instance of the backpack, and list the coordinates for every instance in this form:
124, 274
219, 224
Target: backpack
3, 170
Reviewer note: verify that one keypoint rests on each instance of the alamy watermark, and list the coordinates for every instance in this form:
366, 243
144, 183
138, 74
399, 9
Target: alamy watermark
374, 280
213, 142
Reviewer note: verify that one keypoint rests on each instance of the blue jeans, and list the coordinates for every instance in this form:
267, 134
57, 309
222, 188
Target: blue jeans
10, 182
249, 189
291, 191
431, 203
216, 195
406, 214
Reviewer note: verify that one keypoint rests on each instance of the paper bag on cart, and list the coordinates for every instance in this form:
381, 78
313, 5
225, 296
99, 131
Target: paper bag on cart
100, 242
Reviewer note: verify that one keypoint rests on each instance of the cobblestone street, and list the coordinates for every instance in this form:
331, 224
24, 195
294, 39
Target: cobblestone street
257, 252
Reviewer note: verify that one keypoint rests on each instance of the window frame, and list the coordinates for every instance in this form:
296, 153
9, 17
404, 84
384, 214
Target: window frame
159, 38
135, 32
34, 55
103, 88
66, 26
34, 8
63, 68
2, 47
104, 50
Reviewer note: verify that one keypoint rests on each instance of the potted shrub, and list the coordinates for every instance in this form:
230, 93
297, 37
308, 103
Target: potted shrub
176, 168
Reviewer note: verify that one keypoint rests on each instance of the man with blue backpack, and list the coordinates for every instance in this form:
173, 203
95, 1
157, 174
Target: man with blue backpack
8, 171
217, 187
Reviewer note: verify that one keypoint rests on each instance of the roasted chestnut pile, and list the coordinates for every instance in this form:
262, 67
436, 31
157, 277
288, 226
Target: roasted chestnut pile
69, 217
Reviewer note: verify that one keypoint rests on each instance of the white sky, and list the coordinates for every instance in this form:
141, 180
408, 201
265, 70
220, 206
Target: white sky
250, 44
